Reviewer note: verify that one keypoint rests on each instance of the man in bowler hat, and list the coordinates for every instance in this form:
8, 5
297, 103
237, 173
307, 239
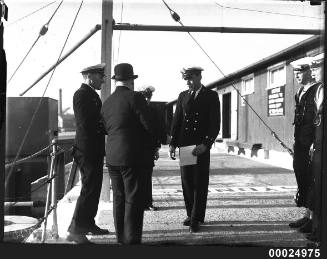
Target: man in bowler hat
88, 153
127, 124
196, 122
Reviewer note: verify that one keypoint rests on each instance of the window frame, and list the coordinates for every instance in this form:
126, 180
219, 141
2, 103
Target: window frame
269, 73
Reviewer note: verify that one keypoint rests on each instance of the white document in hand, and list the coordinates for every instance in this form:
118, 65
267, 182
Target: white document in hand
186, 157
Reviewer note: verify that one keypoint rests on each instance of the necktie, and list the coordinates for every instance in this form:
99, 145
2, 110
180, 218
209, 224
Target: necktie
192, 96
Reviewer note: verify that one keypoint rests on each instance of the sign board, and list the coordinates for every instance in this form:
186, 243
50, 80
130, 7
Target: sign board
276, 101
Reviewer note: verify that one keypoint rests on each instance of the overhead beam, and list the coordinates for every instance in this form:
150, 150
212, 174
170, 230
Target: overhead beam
140, 27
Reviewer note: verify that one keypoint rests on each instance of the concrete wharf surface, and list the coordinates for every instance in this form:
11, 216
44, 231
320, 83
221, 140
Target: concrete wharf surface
250, 203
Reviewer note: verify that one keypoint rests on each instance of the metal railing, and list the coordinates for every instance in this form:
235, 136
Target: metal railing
51, 182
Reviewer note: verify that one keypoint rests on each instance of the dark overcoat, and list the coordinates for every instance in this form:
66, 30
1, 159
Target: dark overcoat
90, 132
128, 125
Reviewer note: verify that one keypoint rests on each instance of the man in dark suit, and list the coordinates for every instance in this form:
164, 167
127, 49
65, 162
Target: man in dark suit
88, 153
196, 122
128, 125
153, 145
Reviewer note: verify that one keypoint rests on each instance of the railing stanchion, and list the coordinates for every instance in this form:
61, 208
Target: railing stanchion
54, 191
47, 204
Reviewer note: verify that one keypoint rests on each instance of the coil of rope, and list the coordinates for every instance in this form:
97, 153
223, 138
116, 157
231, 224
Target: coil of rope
177, 18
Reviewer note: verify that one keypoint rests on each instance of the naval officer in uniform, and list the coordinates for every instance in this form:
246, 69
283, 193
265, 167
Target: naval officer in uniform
196, 122
88, 153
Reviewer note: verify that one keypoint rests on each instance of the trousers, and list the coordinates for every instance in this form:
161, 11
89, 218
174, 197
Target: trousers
195, 181
128, 203
87, 203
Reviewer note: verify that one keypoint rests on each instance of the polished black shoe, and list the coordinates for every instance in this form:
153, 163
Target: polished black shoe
151, 208
299, 223
78, 239
98, 231
306, 228
194, 227
187, 221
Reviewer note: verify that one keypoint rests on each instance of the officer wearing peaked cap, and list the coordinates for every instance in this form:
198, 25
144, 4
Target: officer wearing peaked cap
196, 122
303, 140
99, 68
88, 153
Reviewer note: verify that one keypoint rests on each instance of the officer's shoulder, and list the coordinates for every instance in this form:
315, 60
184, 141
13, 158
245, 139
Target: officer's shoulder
210, 91
182, 94
80, 92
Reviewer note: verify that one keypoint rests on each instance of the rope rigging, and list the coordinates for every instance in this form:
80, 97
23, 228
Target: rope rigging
176, 18
259, 11
42, 32
39, 103
28, 15
121, 19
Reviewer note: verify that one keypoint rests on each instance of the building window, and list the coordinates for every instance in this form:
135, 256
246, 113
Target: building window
247, 87
276, 76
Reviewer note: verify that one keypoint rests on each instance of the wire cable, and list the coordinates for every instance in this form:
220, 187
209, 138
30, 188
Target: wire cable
121, 19
259, 11
42, 32
176, 17
28, 15
39, 104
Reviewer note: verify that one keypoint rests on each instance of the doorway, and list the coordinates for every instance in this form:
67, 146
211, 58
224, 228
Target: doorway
226, 116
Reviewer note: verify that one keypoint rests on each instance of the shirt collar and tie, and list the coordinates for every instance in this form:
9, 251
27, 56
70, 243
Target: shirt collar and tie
194, 94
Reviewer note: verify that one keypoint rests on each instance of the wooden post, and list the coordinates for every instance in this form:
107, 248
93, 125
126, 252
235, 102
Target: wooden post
106, 45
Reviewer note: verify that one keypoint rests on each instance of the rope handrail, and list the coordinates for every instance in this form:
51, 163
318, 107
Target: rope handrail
61, 150
28, 157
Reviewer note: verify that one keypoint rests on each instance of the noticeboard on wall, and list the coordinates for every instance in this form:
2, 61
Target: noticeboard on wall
276, 101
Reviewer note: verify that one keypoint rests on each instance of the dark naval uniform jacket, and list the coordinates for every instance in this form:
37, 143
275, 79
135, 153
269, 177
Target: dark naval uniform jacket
196, 122
90, 132
88, 153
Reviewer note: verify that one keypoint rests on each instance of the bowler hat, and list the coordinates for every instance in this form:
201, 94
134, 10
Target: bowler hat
123, 72
94, 69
